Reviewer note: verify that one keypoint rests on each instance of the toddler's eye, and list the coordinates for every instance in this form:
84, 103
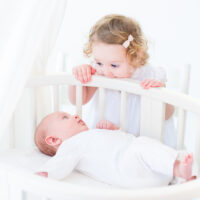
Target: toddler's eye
114, 65
99, 63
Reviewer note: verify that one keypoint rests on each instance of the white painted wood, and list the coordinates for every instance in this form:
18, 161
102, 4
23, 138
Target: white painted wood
15, 192
123, 110
58, 189
161, 94
79, 100
152, 118
12, 132
180, 129
101, 102
55, 98
186, 79
4, 183
197, 143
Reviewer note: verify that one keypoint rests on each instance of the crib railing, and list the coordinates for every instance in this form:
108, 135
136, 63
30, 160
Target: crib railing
151, 100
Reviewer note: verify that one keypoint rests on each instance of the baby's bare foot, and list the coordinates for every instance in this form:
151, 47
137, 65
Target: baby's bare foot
185, 167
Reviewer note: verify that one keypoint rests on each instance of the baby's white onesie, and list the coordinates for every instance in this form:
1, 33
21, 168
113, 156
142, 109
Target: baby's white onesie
114, 157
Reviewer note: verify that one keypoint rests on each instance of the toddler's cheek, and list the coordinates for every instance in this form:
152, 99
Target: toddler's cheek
100, 72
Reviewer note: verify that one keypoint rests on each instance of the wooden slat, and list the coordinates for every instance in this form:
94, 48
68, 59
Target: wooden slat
152, 118
101, 102
123, 111
79, 100
180, 128
55, 98
197, 143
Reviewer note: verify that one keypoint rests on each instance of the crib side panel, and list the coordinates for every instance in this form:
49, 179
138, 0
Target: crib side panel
152, 118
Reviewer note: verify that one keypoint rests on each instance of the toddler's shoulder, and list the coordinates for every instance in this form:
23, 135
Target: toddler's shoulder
150, 72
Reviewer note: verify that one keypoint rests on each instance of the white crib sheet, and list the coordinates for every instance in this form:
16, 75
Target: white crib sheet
31, 159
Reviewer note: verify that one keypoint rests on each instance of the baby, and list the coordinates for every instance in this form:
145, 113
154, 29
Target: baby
110, 156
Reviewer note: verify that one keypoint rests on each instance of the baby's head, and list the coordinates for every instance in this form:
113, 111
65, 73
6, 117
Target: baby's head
55, 128
113, 31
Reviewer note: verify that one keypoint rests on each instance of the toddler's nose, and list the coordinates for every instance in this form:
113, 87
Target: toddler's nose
108, 73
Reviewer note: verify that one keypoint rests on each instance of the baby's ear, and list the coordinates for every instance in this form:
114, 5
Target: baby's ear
53, 141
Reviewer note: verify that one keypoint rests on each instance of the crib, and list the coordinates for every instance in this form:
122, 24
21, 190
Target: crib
18, 160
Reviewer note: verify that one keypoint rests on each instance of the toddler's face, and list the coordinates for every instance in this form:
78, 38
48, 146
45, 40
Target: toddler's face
64, 125
111, 60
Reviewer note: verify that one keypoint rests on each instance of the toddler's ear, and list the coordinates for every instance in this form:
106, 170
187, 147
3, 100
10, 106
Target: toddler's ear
53, 141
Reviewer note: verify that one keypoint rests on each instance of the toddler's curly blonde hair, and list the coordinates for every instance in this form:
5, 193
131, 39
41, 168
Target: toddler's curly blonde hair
115, 29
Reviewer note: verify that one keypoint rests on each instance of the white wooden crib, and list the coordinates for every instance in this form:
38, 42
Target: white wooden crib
19, 157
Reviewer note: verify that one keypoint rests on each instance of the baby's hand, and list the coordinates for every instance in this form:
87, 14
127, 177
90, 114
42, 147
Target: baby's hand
148, 83
83, 73
105, 124
45, 174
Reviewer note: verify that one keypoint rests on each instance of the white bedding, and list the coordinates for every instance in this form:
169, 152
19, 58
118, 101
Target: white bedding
30, 160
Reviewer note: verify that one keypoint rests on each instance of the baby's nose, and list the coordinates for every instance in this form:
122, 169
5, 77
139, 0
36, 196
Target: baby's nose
76, 117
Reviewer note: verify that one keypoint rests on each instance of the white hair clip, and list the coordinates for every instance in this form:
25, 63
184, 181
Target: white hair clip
127, 42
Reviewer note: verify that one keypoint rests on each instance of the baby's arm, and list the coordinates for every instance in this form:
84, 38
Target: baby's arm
105, 124
59, 166
148, 83
83, 73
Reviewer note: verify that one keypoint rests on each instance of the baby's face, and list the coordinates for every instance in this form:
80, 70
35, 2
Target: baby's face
111, 60
64, 125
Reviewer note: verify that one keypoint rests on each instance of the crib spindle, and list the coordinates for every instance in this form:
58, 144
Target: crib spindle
197, 144
123, 111
79, 100
101, 102
180, 128
55, 98
152, 118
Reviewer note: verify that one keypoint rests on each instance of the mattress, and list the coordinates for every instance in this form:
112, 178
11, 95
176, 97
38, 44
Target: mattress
30, 160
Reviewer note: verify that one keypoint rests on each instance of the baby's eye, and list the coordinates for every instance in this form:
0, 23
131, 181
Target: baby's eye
99, 63
65, 117
114, 65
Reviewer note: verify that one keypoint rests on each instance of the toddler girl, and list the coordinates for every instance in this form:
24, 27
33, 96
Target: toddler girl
119, 50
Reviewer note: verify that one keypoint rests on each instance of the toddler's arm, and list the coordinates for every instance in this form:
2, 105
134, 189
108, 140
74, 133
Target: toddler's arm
105, 124
148, 83
84, 74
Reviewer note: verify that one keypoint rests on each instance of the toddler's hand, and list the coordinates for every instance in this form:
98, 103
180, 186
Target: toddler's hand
148, 83
45, 174
83, 73
105, 124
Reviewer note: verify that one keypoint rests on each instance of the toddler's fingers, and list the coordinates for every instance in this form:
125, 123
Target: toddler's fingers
99, 125
157, 84
80, 76
75, 73
147, 84
144, 83
89, 73
84, 74
45, 174
93, 70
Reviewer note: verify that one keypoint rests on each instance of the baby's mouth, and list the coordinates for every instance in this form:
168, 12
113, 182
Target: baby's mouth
81, 122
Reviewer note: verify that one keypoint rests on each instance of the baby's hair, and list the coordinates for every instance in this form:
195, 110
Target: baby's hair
40, 135
115, 29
